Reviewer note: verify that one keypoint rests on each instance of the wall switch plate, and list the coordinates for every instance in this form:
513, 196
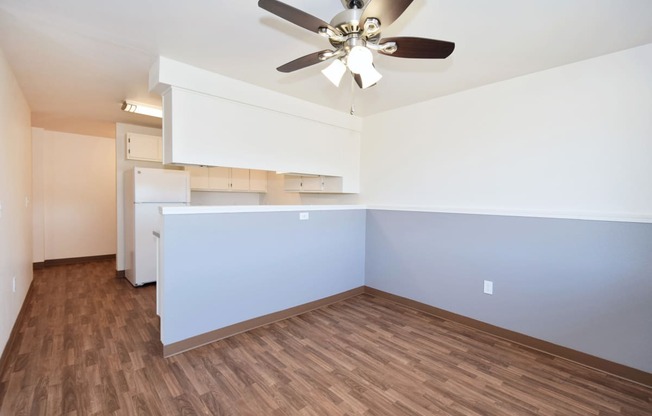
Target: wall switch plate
304, 216
488, 287
13, 284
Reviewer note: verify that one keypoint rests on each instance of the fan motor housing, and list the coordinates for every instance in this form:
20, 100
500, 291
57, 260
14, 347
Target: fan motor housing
348, 22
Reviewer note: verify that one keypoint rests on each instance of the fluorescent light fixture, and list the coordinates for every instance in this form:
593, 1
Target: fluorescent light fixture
334, 72
144, 109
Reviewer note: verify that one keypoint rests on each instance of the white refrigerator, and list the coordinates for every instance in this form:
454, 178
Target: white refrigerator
146, 190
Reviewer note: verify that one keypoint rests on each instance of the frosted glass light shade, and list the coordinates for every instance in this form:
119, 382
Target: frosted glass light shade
359, 59
370, 76
334, 72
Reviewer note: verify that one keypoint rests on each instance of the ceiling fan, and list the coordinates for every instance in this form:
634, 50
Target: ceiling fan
353, 34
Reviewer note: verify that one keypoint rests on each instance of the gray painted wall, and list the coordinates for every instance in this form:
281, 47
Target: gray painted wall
221, 269
585, 285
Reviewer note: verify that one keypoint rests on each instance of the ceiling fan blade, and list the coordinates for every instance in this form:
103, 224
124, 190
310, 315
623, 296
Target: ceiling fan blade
304, 61
386, 11
422, 48
296, 16
358, 79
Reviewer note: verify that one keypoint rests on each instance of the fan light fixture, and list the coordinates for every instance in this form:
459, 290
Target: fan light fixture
353, 34
359, 61
334, 72
144, 109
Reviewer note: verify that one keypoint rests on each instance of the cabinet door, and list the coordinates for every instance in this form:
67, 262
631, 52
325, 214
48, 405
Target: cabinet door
332, 184
144, 147
258, 180
218, 178
239, 179
292, 183
311, 183
198, 178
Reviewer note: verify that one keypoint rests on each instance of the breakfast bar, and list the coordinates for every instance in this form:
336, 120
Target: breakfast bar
224, 270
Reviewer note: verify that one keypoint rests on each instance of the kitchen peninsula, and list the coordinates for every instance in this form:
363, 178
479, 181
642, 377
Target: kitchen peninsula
224, 270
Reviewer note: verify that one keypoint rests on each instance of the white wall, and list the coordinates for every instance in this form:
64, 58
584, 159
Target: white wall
572, 141
15, 194
75, 195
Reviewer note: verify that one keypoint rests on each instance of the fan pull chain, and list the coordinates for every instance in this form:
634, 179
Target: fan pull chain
352, 112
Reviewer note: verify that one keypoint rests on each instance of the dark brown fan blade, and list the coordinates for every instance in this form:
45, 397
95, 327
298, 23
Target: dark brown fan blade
419, 48
293, 15
386, 11
304, 61
358, 79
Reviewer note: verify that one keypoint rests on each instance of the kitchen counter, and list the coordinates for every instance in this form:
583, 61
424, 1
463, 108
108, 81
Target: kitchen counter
218, 209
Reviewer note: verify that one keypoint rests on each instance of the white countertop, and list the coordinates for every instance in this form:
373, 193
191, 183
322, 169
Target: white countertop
226, 209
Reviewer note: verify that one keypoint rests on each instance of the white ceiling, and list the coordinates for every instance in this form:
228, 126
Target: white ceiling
77, 60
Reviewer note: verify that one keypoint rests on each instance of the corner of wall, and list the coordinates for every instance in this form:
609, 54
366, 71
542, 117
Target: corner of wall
15, 198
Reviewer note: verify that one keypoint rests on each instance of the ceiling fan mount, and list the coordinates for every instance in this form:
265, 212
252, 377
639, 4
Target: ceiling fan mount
354, 4
354, 33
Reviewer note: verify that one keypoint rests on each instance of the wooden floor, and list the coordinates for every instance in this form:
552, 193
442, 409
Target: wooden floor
89, 346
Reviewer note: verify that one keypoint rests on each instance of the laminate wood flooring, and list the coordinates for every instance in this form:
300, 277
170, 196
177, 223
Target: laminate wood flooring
90, 346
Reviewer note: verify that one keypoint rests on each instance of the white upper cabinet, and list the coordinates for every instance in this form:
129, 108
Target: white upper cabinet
256, 128
144, 147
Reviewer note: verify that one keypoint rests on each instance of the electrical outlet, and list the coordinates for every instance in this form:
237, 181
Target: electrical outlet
26, 202
488, 287
13, 284
304, 216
